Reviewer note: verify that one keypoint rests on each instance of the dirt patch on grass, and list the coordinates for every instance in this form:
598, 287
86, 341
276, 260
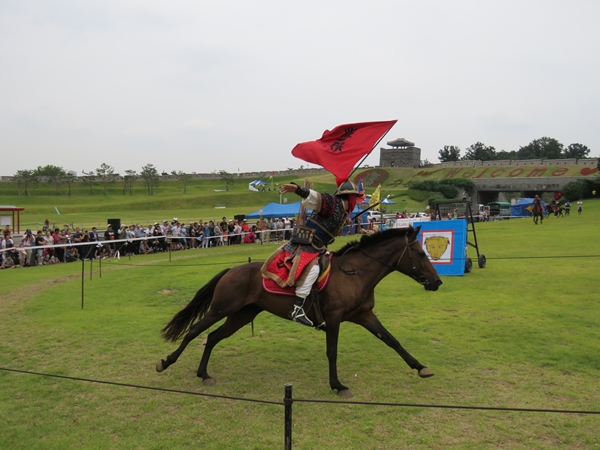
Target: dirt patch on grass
168, 291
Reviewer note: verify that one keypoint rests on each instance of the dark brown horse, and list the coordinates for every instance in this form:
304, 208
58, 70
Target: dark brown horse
357, 268
537, 211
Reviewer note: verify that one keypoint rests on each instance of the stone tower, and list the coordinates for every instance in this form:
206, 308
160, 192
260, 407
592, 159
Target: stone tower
402, 154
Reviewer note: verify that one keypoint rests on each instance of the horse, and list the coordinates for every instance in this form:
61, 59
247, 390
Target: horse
537, 211
237, 295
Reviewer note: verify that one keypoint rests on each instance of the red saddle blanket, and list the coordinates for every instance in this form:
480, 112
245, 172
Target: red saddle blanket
273, 288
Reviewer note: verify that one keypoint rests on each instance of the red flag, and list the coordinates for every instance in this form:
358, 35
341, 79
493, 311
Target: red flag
340, 149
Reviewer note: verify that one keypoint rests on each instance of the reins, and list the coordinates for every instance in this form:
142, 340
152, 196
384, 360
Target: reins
419, 279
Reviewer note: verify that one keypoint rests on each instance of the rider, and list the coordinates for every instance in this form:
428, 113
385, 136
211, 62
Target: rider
286, 266
537, 203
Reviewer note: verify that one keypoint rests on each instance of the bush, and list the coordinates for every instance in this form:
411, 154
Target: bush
573, 191
418, 195
448, 191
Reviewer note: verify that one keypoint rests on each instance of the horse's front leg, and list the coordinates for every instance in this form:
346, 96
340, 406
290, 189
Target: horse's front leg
372, 323
333, 331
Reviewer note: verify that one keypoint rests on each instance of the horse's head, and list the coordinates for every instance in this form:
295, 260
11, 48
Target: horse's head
414, 263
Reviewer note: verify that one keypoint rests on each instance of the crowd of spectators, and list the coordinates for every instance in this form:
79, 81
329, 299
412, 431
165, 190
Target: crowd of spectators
69, 245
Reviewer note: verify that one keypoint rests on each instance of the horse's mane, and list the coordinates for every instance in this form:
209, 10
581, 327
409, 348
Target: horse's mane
369, 240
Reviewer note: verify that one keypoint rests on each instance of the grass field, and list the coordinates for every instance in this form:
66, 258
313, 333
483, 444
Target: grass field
523, 332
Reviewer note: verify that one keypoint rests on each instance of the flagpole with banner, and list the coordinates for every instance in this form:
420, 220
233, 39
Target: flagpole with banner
338, 150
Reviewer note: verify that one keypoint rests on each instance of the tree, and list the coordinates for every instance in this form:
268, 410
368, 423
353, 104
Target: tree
546, 148
503, 154
89, 178
106, 174
449, 153
479, 152
128, 179
183, 178
227, 178
54, 174
69, 178
573, 191
151, 178
25, 178
578, 151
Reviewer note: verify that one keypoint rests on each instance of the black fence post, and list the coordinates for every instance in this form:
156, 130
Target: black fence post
82, 279
287, 401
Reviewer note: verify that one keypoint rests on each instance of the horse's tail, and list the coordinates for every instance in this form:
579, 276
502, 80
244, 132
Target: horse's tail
196, 309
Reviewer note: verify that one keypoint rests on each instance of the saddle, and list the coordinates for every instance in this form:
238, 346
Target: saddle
324, 271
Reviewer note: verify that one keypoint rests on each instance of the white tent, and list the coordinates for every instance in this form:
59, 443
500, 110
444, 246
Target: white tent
253, 185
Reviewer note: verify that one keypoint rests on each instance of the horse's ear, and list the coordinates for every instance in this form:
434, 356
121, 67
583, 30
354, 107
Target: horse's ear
417, 230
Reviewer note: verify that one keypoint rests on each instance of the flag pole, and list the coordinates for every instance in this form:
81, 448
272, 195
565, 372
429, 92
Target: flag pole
365, 157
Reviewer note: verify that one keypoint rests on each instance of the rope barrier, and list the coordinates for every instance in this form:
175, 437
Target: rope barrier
137, 386
300, 400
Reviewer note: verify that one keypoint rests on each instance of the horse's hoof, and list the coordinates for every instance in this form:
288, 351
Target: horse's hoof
159, 366
425, 372
209, 382
345, 393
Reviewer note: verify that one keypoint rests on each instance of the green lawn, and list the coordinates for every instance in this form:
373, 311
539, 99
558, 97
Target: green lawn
523, 332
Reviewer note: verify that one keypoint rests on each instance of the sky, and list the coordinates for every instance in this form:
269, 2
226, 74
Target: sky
204, 86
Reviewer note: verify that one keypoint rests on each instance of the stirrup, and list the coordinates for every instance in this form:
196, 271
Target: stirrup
297, 314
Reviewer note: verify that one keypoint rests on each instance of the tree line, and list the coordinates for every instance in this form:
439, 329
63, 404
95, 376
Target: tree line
543, 148
103, 176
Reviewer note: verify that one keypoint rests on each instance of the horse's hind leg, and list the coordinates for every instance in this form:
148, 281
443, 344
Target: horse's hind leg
233, 323
206, 322
371, 323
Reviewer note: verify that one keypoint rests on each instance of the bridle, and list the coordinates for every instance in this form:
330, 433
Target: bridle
418, 278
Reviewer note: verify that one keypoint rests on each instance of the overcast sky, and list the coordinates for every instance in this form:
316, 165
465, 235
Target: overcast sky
204, 86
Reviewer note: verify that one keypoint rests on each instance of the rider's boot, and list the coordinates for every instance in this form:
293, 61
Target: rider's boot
297, 313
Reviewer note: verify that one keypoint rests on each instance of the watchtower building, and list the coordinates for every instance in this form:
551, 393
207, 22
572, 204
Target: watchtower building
402, 154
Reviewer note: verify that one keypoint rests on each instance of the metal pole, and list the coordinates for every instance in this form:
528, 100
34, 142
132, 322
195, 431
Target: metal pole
100, 262
82, 279
287, 401
252, 323
91, 268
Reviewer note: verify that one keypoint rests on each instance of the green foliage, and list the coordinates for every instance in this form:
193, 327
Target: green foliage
448, 190
480, 152
418, 195
578, 151
227, 178
546, 148
574, 190
449, 153
106, 174
447, 187
151, 178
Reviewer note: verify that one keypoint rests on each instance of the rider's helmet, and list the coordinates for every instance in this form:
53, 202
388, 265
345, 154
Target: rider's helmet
347, 188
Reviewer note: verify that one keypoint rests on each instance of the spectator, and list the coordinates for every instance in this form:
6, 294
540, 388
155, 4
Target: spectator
131, 243
287, 226
8, 262
109, 236
6, 231
49, 242
250, 238
58, 251
145, 248
28, 241
40, 242
63, 240
22, 255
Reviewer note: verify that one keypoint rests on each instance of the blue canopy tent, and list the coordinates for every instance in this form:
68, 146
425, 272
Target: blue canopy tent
519, 209
387, 201
276, 210
254, 184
